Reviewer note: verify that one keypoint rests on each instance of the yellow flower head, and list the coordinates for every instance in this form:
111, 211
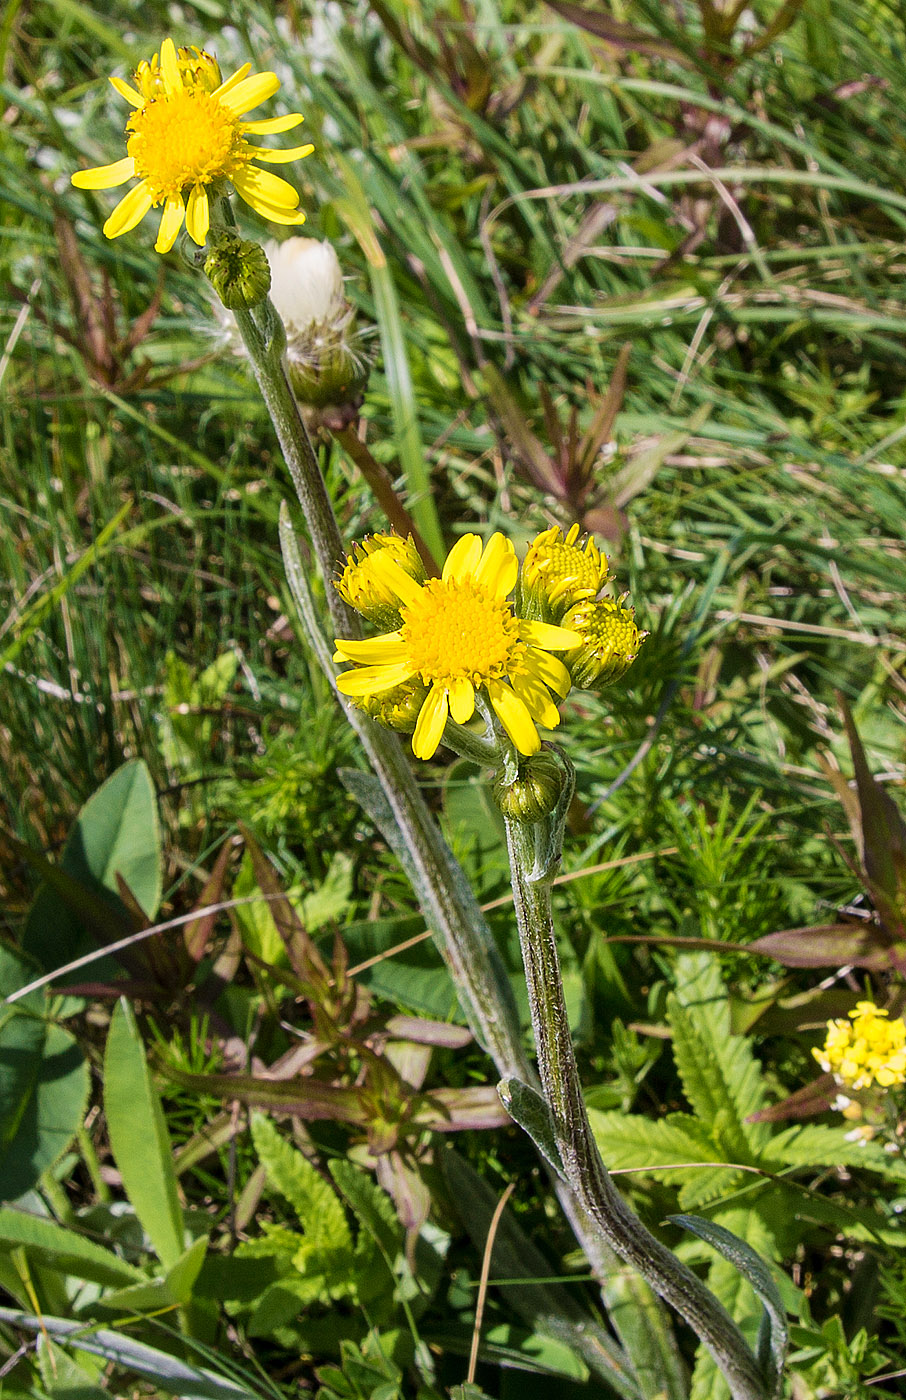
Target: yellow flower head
557, 572
867, 1049
460, 633
363, 586
610, 641
185, 134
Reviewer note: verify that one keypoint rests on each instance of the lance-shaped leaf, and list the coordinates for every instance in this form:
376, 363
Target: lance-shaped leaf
304, 1098
452, 1110
883, 839
831, 945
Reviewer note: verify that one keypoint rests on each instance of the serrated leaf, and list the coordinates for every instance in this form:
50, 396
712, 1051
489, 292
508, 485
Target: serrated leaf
721, 1077
371, 1206
819, 1144
321, 1215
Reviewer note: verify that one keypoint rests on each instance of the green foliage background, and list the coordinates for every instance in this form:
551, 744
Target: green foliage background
541, 197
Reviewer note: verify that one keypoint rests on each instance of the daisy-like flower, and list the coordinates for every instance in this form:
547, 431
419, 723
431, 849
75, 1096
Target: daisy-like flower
867, 1049
460, 633
186, 134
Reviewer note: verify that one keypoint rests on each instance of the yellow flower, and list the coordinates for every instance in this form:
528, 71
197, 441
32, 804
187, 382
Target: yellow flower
186, 134
363, 586
610, 641
871, 1050
460, 633
557, 572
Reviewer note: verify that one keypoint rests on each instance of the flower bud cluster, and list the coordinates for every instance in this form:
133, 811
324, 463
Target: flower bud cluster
556, 603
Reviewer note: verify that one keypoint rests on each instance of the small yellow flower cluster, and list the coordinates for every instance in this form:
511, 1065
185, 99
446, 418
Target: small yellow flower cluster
464, 632
867, 1049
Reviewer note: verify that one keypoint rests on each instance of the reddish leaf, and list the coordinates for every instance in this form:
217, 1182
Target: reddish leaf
883, 838
308, 1099
453, 1110
813, 1098
197, 934
831, 945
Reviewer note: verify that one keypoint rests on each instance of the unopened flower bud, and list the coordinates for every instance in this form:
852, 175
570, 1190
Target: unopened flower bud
536, 790
398, 708
610, 642
238, 271
557, 573
361, 586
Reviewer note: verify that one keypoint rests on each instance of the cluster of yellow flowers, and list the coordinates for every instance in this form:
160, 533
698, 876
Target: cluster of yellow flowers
867, 1049
485, 625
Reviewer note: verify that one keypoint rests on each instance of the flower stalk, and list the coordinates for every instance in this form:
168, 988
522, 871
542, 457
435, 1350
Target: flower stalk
573, 1140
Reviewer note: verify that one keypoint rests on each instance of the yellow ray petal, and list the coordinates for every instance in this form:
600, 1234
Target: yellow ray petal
376, 651
133, 97
388, 571
371, 680
233, 81
499, 567
265, 191
462, 700
430, 725
104, 177
169, 67
198, 215
170, 224
281, 157
514, 717
249, 92
463, 558
270, 126
280, 216
130, 211
549, 669
543, 634
536, 698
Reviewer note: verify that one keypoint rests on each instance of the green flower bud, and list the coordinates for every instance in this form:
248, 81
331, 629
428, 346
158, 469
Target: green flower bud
536, 790
397, 708
238, 271
610, 642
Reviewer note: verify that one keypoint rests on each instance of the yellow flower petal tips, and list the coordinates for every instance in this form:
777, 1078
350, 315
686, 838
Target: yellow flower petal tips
457, 634
186, 133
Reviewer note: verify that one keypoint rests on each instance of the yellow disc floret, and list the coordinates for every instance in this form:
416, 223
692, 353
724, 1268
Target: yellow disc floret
185, 135
458, 634
868, 1049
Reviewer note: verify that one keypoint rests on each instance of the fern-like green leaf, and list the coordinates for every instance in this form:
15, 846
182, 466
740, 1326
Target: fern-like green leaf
321, 1214
721, 1077
821, 1145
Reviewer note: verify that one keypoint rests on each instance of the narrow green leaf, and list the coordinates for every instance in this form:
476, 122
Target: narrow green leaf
166, 1371
527, 1108
139, 1137
63, 1249
774, 1337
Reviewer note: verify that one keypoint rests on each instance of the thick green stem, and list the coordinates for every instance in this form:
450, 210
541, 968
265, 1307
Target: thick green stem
581, 1160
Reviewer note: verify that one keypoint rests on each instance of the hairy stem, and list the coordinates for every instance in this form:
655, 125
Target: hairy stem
582, 1165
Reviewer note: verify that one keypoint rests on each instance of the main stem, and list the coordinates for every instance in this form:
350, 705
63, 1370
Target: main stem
582, 1165
449, 905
